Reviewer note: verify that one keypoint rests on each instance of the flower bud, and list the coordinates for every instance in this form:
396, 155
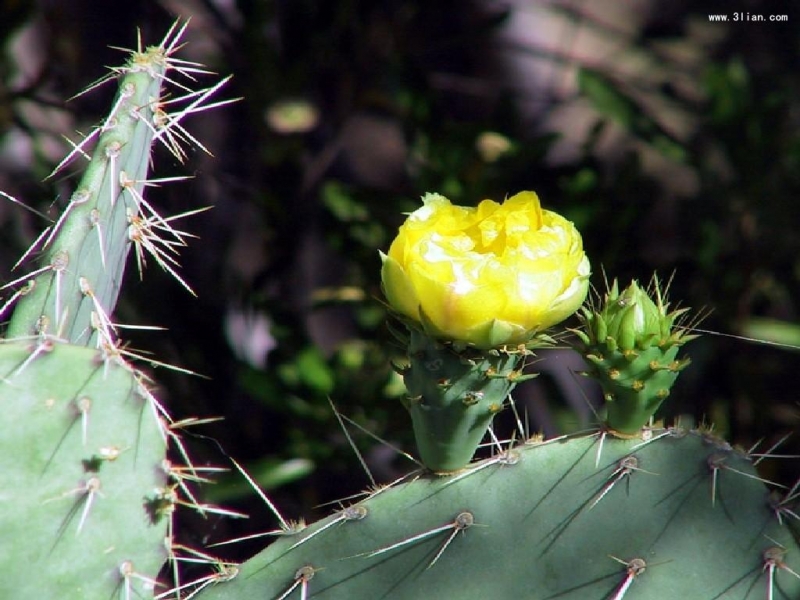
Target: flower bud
633, 319
632, 343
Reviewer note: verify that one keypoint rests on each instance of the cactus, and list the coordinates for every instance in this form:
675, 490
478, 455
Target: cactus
628, 511
625, 511
678, 514
80, 455
88, 491
84, 253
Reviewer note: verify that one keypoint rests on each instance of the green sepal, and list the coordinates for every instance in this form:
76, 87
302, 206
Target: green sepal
601, 327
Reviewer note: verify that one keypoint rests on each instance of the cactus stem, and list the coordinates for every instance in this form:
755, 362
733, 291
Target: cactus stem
73, 291
109, 197
552, 511
625, 467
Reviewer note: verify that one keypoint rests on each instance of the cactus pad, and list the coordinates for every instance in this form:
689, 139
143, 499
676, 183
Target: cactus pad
81, 453
679, 516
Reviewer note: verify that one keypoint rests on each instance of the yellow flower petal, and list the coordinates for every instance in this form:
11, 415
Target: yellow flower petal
491, 275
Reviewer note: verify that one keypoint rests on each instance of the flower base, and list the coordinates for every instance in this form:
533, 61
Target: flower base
453, 397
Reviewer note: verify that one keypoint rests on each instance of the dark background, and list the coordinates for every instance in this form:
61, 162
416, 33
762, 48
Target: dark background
672, 143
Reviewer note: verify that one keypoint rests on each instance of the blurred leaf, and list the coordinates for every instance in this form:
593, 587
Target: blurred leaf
606, 98
582, 181
310, 369
269, 473
728, 88
783, 333
14, 14
670, 148
341, 203
609, 101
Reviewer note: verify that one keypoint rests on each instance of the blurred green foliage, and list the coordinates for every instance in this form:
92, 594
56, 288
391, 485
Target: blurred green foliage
352, 110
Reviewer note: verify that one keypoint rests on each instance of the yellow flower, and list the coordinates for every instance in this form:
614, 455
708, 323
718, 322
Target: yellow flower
489, 276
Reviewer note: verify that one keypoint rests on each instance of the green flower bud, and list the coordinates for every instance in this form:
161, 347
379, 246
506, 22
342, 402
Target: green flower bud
633, 319
631, 341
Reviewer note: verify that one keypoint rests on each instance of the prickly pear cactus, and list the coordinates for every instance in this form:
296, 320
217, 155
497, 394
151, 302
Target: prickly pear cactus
679, 514
88, 493
73, 293
628, 511
81, 452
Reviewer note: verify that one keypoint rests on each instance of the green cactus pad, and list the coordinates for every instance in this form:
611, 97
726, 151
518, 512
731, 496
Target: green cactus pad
81, 453
680, 516
85, 261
